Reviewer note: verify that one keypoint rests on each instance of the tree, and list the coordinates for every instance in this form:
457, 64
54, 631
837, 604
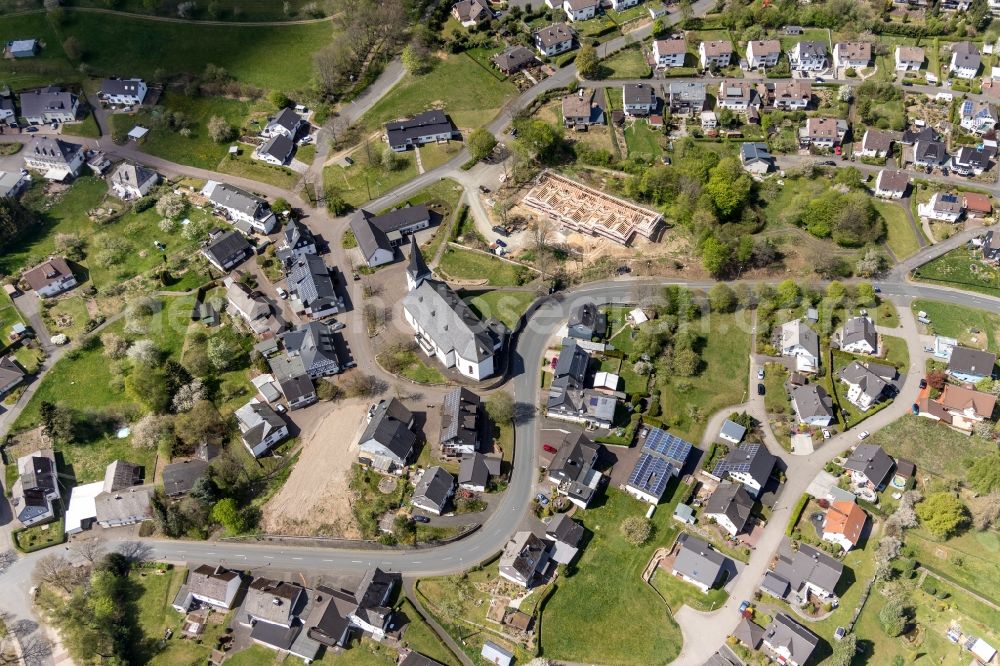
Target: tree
220, 130
729, 187
986, 511
542, 139
89, 549
70, 245
481, 143
942, 513
57, 421
836, 291
636, 530
587, 63
685, 362
360, 385
171, 205
202, 424
228, 514
73, 48
279, 99
115, 346
789, 294
936, 379
984, 474
722, 298
500, 408
416, 58
844, 650
149, 431
143, 353
220, 352
57, 571
894, 617
866, 294
715, 255
148, 386
327, 390
870, 264
187, 395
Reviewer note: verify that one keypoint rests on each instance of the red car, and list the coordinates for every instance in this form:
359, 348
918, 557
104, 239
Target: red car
548, 448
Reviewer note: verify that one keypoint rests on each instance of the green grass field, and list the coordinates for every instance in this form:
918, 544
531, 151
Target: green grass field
461, 264
955, 321
626, 64
247, 167
48, 66
776, 399
679, 593
900, 237
360, 183
641, 139
606, 583
226, 10
468, 93
507, 306
87, 128
962, 269
434, 155
9, 316
934, 448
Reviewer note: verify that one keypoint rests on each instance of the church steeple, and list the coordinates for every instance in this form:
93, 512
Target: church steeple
416, 271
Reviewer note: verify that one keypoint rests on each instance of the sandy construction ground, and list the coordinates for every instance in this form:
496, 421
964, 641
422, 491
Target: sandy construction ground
315, 500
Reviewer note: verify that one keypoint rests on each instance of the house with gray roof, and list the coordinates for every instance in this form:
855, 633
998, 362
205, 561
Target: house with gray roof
294, 382
239, 205
426, 127
565, 535
311, 286
286, 123
730, 506
387, 441
686, 97
435, 488
572, 469
965, 60
750, 464
55, 158
277, 150
756, 158
315, 345
514, 59
179, 477
476, 471
226, 250
51, 104
22, 48
260, 427
864, 387
297, 241
410, 658
586, 406
460, 427
805, 571
11, 375
586, 322
790, 642
333, 622
870, 464
132, 181
800, 342
251, 306
272, 601
732, 432
36, 489
524, 558
213, 585
749, 633
553, 39
812, 405
123, 92
698, 564
971, 365
378, 236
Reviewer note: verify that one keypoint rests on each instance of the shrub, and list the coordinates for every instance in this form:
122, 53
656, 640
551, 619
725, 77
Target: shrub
636, 530
797, 510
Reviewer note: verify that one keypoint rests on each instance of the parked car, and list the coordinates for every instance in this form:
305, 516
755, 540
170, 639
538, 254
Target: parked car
31, 130
501, 243
282, 294
826, 434
828, 163
820, 79
923, 383
623, 270
760, 389
542, 499
356, 276
743, 606
337, 325
421, 519
501, 230
760, 373
484, 189
864, 434
548, 448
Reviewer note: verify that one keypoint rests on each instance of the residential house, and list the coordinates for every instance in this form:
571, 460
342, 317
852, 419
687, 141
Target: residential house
580, 111
11, 375
286, 123
749, 464
433, 490
123, 92
251, 306
8, 112
312, 290
276, 151
572, 469
909, 58
763, 53
972, 161
50, 278
580, 10
524, 558
698, 564
213, 585
586, 322
514, 59
807, 57
239, 205
662, 457
387, 441
812, 405
804, 572
891, 184
132, 181
748, 633
638, 99
554, 39
49, 105
737, 95
179, 477
446, 328
23, 48
943, 206
410, 658
622, 5
876, 143
977, 205
971, 365
669, 53
965, 60
55, 158
843, 524
790, 94
337, 614
569, 402
297, 241
977, 117
121, 500
858, 336
991, 247
460, 426
427, 127
921, 132
790, 642
260, 427
802, 343
226, 250
294, 382
870, 465
33, 494
852, 54
471, 12
959, 407
686, 98
476, 471
732, 432
730, 506
864, 387
755, 158
929, 154
709, 121
315, 346
272, 602
378, 236
823, 132
715, 54
565, 534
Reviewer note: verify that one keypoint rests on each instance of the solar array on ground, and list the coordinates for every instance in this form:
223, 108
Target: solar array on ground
666, 445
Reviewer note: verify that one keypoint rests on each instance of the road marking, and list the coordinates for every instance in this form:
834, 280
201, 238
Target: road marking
267, 557
416, 562
296, 558
210, 553
355, 561
328, 560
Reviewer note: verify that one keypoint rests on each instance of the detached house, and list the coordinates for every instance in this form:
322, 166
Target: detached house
622, 5
891, 184
789, 642
226, 250
586, 321
977, 117
49, 105
238, 205
789, 95
524, 559
311, 286
572, 470
427, 127
313, 344
755, 158
476, 471
686, 97
387, 442
876, 143
843, 524
971, 365
965, 60
55, 158
909, 58
737, 95
812, 405
763, 53
823, 132
131, 181
639, 99
36, 488
11, 375
580, 10
514, 59
942, 206
580, 111
749, 464
553, 40
297, 241
215, 586
669, 53
865, 387
802, 343
715, 54
852, 54
260, 427
277, 150
287, 124
960, 407
50, 278
432, 492
929, 153
662, 457
251, 306
698, 563
972, 161
378, 236
807, 57
471, 12
460, 425
858, 336
799, 574
870, 465
730, 507
123, 92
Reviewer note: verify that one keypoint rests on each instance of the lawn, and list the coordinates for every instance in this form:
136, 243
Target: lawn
66, 315
38, 537
934, 448
776, 400
507, 306
679, 593
641, 139
461, 264
468, 93
626, 64
9, 316
47, 67
687, 402
197, 149
420, 637
900, 235
367, 179
963, 269
955, 321
412, 366
236, 10
87, 128
434, 155
607, 583
245, 52
245, 166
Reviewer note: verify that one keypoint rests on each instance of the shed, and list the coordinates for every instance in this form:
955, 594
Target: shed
732, 432
683, 513
137, 133
494, 654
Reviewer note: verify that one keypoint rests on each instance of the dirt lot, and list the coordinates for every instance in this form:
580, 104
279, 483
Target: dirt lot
315, 499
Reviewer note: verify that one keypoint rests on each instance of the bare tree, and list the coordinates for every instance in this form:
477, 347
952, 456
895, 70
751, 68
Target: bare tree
136, 551
90, 550
7, 558
541, 233
57, 571
35, 650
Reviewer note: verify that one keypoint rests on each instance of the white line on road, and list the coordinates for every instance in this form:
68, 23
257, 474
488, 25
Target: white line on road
328, 560
296, 558
267, 557
355, 561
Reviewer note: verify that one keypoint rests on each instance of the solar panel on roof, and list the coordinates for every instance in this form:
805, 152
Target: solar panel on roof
666, 445
967, 106
651, 474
